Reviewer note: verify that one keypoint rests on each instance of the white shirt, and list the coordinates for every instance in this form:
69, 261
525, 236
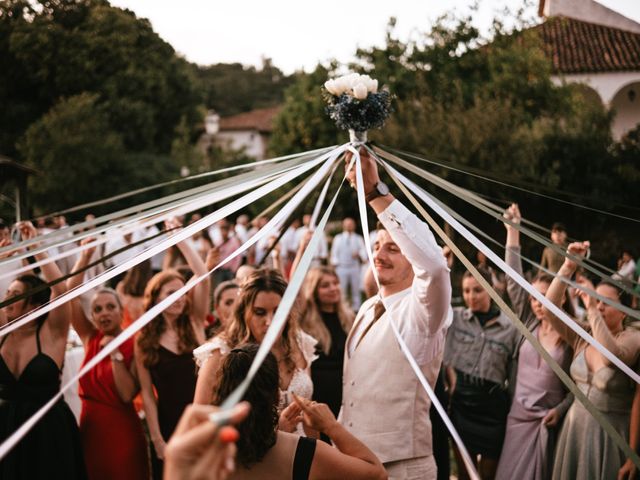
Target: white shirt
423, 311
117, 241
241, 232
288, 246
348, 250
626, 270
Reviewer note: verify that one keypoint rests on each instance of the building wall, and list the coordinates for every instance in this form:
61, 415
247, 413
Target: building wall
626, 105
613, 89
589, 11
250, 140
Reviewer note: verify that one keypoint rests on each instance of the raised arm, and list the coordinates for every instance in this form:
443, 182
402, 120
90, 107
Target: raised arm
304, 242
58, 319
350, 459
200, 301
431, 284
625, 345
558, 289
80, 322
518, 295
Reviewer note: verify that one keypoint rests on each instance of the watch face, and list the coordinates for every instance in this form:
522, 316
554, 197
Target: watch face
382, 188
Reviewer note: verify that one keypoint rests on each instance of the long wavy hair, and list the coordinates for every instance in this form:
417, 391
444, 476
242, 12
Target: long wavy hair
237, 331
149, 337
311, 318
258, 431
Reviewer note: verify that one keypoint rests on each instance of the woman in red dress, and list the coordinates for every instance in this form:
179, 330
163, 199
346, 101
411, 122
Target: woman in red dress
112, 437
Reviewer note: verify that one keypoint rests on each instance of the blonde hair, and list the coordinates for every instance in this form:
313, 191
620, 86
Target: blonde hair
311, 321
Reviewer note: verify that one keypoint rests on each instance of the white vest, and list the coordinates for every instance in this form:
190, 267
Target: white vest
383, 403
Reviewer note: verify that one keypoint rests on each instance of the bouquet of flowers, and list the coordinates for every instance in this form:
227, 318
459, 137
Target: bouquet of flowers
355, 103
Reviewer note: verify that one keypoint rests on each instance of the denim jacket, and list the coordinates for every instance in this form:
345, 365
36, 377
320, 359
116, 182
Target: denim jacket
484, 352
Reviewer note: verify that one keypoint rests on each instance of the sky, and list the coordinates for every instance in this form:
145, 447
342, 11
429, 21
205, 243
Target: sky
297, 34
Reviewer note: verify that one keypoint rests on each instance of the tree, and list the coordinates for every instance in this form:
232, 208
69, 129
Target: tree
302, 124
235, 88
82, 159
55, 49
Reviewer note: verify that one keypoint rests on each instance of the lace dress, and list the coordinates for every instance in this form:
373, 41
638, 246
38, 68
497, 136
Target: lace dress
300, 382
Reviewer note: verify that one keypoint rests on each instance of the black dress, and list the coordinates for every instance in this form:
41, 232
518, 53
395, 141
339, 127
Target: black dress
52, 448
174, 378
326, 370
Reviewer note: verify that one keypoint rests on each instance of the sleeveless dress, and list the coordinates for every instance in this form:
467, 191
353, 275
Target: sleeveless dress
598, 458
112, 436
326, 371
529, 445
174, 378
289, 459
52, 447
300, 382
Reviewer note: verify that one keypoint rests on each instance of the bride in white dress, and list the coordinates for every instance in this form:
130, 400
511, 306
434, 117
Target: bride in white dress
258, 299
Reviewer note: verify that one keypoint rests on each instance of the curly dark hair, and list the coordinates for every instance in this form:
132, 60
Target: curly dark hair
258, 432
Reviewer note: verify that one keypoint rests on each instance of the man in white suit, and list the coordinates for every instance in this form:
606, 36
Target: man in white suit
384, 404
347, 254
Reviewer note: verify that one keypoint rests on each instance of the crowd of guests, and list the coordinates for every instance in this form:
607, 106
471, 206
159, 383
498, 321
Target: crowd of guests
335, 397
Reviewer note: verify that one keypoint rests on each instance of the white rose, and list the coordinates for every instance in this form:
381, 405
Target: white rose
330, 85
340, 85
353, 79
360, 91
373, 86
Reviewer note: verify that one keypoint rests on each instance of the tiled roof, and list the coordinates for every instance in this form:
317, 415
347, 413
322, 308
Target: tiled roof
575, 46
260, 120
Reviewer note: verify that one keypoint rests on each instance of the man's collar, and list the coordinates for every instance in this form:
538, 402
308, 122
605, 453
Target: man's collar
394, 297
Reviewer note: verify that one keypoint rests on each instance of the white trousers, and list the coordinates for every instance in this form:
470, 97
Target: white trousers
421, 468
351, 280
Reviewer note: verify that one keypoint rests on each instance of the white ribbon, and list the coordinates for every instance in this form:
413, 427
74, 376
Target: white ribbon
471, 469
132, 224
153, 312
163, 245
564, 377
282, 312
558, 312
244, 166
497, 213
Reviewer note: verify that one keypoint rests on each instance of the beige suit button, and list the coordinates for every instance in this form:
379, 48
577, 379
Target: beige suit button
351, 404
353, 382
351, 424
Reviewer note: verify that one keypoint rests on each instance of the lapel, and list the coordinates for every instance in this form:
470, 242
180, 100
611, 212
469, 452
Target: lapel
356, 324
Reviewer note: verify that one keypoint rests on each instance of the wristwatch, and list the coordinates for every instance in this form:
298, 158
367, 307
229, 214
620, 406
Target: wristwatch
379, 190
117, 356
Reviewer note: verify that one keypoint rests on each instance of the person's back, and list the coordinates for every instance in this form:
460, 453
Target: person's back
278, 463
265, 453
